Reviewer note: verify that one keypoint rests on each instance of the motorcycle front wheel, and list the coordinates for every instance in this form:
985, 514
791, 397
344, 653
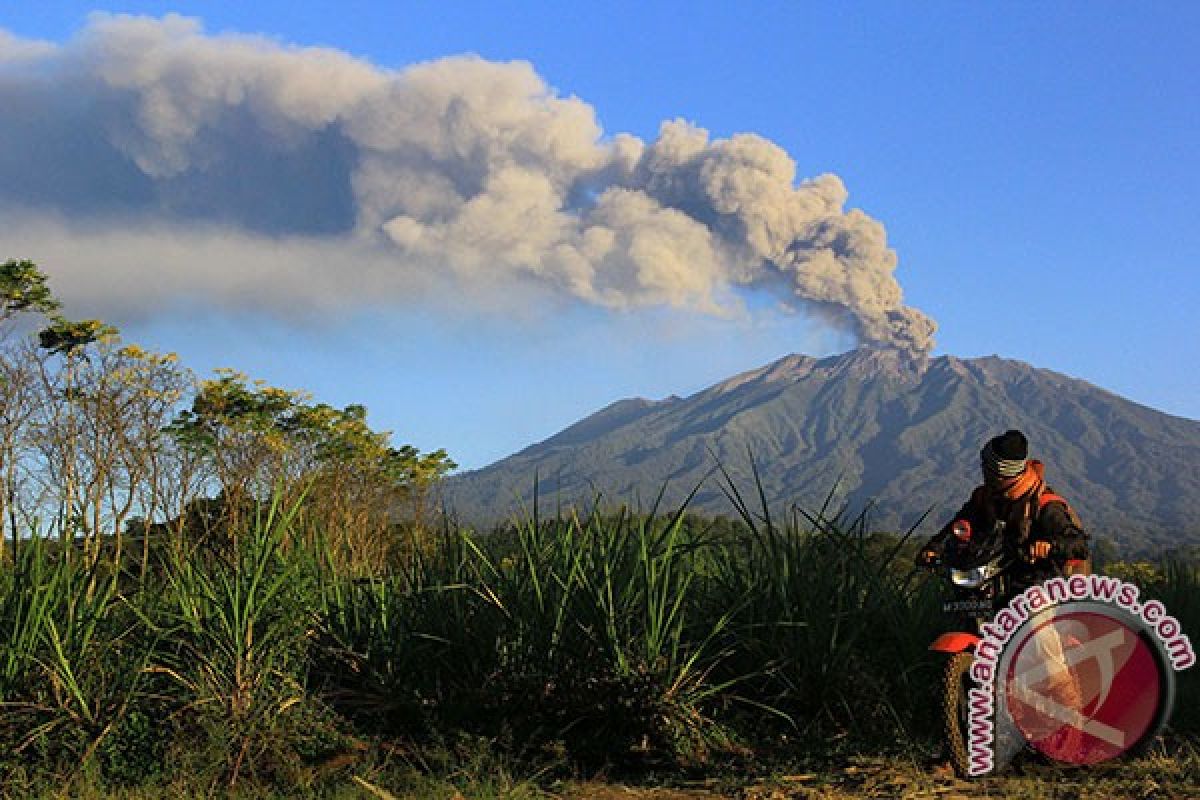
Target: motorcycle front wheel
956, 682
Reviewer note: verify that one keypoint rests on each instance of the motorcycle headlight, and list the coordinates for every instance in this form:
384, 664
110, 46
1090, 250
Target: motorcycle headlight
972, 578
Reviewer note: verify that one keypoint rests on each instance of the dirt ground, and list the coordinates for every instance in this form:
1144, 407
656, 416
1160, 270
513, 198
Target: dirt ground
1146, 779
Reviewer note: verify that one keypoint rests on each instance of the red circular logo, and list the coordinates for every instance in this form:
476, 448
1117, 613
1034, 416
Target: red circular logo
1083, 687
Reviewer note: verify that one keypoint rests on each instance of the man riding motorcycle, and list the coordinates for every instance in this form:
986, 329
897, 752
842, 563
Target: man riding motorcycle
1039, 533
1040, 530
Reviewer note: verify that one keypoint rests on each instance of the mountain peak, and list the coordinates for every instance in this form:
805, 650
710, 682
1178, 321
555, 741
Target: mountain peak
899, 433
796, 367
868, 359
789, 368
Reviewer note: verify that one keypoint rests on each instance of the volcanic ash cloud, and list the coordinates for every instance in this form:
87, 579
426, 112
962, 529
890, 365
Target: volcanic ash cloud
454, 173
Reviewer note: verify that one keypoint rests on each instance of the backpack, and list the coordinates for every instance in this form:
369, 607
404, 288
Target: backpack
1046, 496
1033, 509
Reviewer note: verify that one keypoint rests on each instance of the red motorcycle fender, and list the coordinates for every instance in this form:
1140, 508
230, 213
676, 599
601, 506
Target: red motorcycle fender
954, 642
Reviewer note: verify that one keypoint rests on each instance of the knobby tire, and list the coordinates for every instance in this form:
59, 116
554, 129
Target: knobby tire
955, 713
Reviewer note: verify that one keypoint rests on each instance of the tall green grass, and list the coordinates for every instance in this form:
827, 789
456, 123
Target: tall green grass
70, 661
233, 634
581, 630
1178, 587
833, 626
607, 638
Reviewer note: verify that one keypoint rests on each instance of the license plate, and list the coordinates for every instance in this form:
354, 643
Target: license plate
967, 606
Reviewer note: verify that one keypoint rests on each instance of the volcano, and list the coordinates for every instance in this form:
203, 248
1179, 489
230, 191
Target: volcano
880, 430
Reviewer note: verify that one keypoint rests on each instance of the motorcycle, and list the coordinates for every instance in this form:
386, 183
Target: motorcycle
977, 570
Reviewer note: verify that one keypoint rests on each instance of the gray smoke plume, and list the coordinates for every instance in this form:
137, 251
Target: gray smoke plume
354, 184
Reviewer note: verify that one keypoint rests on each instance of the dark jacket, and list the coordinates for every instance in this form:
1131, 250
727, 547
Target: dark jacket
1041, 515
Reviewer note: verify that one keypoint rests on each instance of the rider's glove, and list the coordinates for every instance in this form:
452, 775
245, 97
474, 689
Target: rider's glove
1040, 549
927, 557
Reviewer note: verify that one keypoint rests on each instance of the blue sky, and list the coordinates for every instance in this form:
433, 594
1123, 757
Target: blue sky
1036, 169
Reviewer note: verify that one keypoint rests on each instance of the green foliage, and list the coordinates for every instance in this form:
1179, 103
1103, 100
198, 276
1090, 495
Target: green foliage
259, 438
620, 639
72, 663
133, 754
65, 337
834, 628
1142, 573
23, 288
227, 407
1177, 585
233, 640
420, 470
596, 615
287, 632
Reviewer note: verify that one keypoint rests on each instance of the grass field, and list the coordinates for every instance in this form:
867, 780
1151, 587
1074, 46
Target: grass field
1156, 776
610, 655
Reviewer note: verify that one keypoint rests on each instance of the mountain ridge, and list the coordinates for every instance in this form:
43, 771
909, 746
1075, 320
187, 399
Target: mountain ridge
899, 433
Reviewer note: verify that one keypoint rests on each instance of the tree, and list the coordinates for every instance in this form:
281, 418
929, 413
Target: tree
60, 423
23, 290
81, 419
420, 474
93, 438
258, 440
131, 396
352, 484
239, 431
